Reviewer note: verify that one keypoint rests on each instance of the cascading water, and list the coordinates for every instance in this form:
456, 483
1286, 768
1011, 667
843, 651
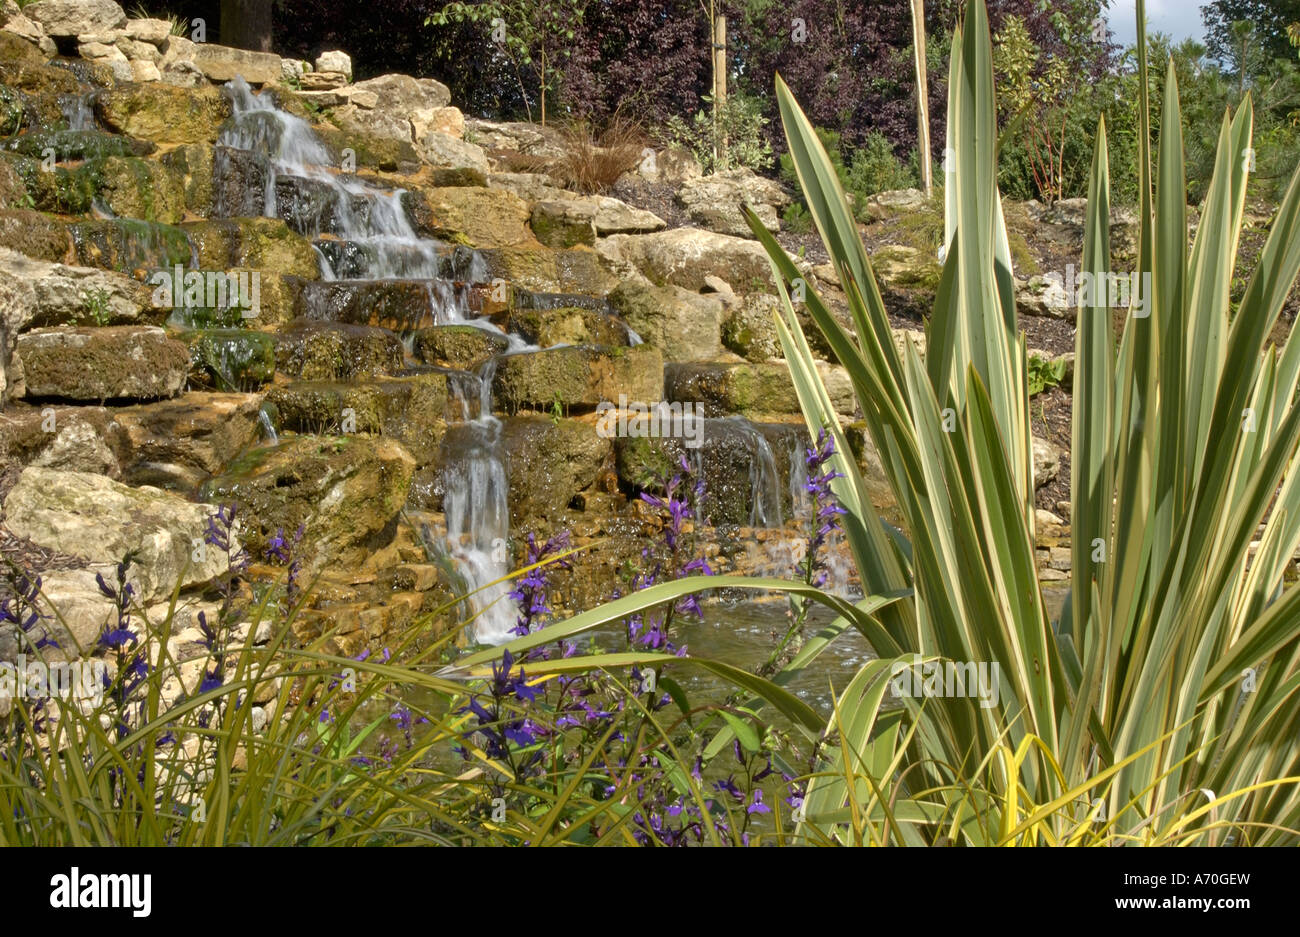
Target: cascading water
363, 236
77, 111
478, 513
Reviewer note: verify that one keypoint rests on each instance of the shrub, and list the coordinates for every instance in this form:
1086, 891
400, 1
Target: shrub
737, 142
874, 168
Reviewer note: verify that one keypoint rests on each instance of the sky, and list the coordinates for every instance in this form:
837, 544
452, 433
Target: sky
1180, 18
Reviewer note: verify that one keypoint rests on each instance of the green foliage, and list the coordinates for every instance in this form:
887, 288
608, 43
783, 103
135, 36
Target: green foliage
1172, 669
871, 168
737, 141
796, 219
1044, 373
533, 34
95, 304
874, 168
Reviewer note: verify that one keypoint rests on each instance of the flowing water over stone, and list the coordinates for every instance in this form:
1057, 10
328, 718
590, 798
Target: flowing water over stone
377, 271
371, 262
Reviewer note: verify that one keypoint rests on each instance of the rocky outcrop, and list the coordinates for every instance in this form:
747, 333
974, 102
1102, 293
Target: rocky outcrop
685, 326
101, 520
549, 461
75, 18
68, 295
716, 201
331, 351
407, 409
464, 347
98, 364
578, 377
685, 257
163, 113
16, 300
345, 491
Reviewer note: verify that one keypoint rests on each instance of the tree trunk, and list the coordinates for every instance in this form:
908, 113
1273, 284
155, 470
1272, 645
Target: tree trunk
246, 24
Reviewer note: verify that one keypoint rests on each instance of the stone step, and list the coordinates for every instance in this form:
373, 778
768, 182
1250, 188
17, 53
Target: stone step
97, 364
578, 377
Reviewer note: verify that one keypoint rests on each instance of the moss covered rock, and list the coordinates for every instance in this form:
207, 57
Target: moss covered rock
370, 151
35, 234
193, 165
231, 359
178, 444
564, 223
130, 245
568, 325
331, 351
549, 462
345, 491
163, 113
477, 217
113, 363
257, 243
749, 388
463, 347
684, 325
409, 409
579, 270
578, 377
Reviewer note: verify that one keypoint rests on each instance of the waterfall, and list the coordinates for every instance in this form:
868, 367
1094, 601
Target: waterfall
800, 499
77, 111
272, 438
476, 506
362, 234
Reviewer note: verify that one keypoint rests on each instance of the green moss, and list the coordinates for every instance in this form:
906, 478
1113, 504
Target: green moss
233, 359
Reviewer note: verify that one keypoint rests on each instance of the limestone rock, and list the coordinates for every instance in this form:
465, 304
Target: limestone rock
178, 444
565, 223
94, 517
223, 63
335, 61
67, 18
152, 31
686, 256
1047, 461
16, 300
549, 461
671, 166
463, 347
894, 202
328, 351
448, 120
684, 325
568, 325
113, 363
578, 377
752, 389
162, 113
716, 201
406, 94
441, 149
750, 327
346, 491
477, 216
64, 295
517, 136
325, 81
